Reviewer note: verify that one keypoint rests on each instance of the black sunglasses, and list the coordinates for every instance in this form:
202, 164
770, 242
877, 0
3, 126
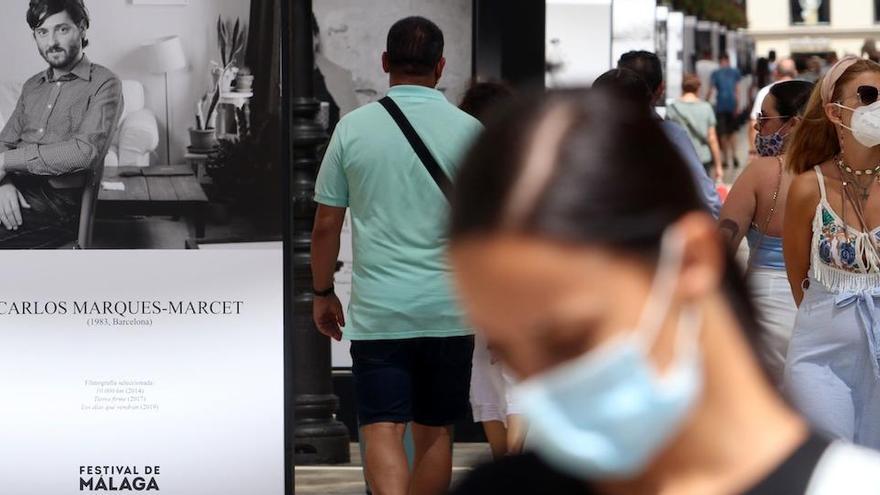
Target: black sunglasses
867, 94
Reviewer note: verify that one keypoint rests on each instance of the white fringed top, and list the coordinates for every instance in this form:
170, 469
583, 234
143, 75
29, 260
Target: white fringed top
844, 259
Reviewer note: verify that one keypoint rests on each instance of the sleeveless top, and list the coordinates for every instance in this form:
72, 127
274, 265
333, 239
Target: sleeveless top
844, 259
765, 250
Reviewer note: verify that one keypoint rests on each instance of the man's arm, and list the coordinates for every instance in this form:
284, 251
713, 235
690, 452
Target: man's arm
11, 200
711, 91
331, 194
327, 310
11, 133
325, 244
705, 185
80, 151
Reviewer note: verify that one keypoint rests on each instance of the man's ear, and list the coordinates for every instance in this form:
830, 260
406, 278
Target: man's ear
386, 67
438, 70
660, 90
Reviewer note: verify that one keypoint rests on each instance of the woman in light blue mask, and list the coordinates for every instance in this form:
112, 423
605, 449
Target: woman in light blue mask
755, 209
582, 253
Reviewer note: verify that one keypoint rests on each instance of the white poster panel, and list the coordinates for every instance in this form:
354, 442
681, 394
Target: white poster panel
153, 371
690, 43
578, 44
674, 54
633, 26
661, 36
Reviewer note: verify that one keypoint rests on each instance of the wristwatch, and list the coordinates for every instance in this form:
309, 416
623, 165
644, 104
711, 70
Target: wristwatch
323, 293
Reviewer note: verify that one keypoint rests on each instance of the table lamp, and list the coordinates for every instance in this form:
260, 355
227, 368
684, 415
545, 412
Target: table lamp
165, 55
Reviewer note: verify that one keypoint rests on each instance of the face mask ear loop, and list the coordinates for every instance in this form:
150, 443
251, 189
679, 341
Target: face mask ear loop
689, 329
663, 288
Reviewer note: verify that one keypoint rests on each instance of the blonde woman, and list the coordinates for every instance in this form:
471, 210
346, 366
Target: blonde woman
831, 238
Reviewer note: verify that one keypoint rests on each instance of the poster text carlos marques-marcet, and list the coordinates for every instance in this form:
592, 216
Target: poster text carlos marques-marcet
149, 371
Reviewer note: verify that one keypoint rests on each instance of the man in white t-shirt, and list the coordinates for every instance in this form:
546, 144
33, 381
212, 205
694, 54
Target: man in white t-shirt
704, 69
785, 71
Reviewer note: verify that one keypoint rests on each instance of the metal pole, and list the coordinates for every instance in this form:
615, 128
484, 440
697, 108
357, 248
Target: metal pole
318, 437
167, 125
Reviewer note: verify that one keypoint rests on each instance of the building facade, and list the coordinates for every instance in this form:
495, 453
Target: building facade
812, 27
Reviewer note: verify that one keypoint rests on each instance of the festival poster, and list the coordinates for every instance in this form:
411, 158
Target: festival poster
149, 386
141, 270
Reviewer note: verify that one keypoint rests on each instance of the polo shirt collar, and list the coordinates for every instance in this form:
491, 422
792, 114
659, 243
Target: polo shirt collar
82, 70
405, 90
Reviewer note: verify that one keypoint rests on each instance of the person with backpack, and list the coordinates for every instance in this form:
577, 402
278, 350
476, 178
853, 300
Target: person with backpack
698, 119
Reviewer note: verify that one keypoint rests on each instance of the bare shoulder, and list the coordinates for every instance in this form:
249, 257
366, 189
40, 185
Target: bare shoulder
758, 171
804, 189
763, 167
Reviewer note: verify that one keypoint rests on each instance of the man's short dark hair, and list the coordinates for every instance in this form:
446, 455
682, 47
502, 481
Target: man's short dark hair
39, 10
415, 46
627, 84
645, 64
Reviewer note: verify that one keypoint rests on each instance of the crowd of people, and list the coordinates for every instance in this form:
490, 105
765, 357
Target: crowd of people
621, 346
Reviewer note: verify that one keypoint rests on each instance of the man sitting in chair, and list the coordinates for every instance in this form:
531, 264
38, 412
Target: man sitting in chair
58, 134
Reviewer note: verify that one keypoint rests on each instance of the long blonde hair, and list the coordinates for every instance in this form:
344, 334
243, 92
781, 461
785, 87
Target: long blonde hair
815, 138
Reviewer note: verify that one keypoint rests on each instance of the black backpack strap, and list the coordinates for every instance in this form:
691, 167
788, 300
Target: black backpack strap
419, 147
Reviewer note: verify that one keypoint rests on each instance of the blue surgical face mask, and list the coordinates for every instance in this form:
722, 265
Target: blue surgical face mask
606, 414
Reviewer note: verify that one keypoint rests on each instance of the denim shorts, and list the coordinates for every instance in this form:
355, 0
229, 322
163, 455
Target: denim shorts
425, 380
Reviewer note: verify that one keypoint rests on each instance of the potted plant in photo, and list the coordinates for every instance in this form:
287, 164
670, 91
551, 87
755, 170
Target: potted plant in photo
203, 136
244, 80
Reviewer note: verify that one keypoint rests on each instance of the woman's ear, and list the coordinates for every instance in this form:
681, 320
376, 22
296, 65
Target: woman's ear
833, 112
703, 259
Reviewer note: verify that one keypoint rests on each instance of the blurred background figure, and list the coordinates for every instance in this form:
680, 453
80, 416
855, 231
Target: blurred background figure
869, 49
785, 71
762, 72
482, 98
698, 119
755, 209
704, 68
583, 254
724, 81
647, 67
491, 400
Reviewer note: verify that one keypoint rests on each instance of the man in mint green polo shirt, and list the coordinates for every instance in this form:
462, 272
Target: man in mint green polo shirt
411, 350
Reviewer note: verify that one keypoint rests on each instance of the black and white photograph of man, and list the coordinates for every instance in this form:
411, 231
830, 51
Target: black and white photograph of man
54, 142
139, 124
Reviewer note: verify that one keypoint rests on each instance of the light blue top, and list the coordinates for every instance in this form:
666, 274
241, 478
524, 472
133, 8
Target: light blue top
768, 254
705, 185
401, 284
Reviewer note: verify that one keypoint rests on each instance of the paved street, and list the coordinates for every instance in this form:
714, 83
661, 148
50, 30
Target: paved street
348, 479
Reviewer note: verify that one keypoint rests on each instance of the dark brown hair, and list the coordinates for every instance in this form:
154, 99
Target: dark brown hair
483, 97
39, 10
612, 178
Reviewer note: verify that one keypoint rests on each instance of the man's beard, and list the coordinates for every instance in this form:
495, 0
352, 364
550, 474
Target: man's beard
70, 54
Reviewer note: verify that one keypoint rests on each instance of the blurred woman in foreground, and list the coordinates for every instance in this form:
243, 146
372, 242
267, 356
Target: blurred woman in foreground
582, 253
